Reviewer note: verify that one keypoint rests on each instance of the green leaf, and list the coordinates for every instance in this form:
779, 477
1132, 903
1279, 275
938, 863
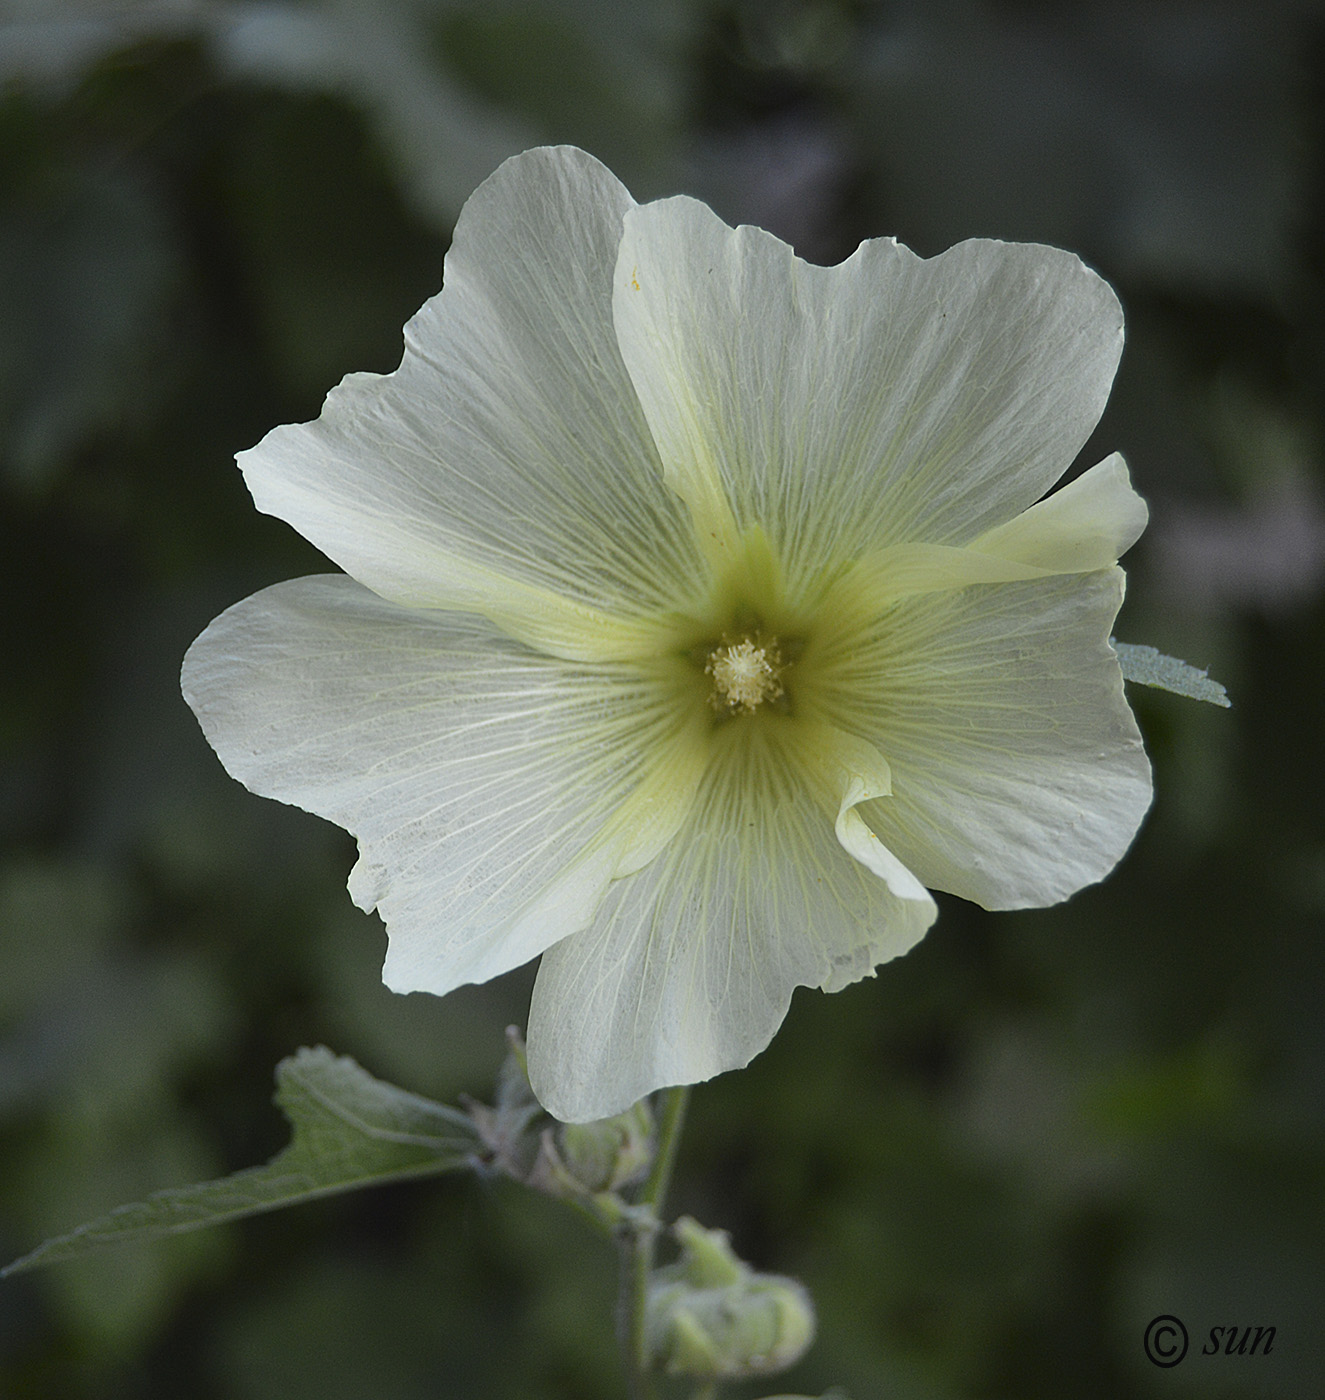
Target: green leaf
349, 1130
1147, 666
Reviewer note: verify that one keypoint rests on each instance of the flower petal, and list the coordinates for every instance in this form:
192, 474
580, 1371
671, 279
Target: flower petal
1081, 528
863, 774
505, 468
1088, 524
689, 967
889, 399
1018, 775
495, 792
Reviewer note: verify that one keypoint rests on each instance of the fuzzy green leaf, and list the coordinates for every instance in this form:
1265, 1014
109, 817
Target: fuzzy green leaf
1147, 666
349, 1131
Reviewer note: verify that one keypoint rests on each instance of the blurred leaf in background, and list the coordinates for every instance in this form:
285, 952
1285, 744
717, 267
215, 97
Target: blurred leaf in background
993, 1164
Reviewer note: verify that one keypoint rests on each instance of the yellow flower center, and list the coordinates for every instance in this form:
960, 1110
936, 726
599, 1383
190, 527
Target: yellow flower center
745, 673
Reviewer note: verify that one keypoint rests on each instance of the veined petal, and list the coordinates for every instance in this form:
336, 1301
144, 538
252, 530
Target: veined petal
559, 625
889, 399
900, 570
495, 792
1018, 775
1083, 527
862, 774
1088, 524
509, 445
689, 967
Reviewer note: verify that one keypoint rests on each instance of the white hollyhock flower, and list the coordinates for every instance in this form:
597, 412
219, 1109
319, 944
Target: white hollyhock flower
698, 614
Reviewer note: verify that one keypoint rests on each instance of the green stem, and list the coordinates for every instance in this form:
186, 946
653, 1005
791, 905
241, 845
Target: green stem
674, 1103
636, 1260
639, 1235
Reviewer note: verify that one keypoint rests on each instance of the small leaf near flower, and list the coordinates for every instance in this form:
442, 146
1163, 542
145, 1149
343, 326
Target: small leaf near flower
1148, 666
350, 1131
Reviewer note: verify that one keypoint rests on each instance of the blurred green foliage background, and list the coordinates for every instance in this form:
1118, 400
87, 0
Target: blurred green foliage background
993, 1164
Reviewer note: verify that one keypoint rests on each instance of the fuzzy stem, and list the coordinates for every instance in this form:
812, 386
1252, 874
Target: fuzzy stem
636, 1260
669, 1138
638, 1234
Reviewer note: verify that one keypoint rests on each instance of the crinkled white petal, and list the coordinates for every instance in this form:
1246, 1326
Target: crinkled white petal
1018, 774
505, 468
494, 791
889, 399
1082, 527
1088, 524
689, 967
863, 773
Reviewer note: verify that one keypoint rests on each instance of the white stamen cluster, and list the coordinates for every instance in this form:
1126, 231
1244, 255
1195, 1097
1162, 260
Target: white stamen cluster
744, 675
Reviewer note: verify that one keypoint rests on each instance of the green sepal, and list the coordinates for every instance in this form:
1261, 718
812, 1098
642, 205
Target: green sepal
349, 1130
1146, 666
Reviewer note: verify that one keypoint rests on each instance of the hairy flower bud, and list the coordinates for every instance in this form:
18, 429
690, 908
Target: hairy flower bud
604, 1155
710, 1316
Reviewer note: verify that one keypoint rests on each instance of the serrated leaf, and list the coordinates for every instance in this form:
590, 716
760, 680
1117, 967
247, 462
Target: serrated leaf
1147, 666
349, 1131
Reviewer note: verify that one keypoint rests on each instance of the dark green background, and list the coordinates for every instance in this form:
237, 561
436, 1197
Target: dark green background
993, 1164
